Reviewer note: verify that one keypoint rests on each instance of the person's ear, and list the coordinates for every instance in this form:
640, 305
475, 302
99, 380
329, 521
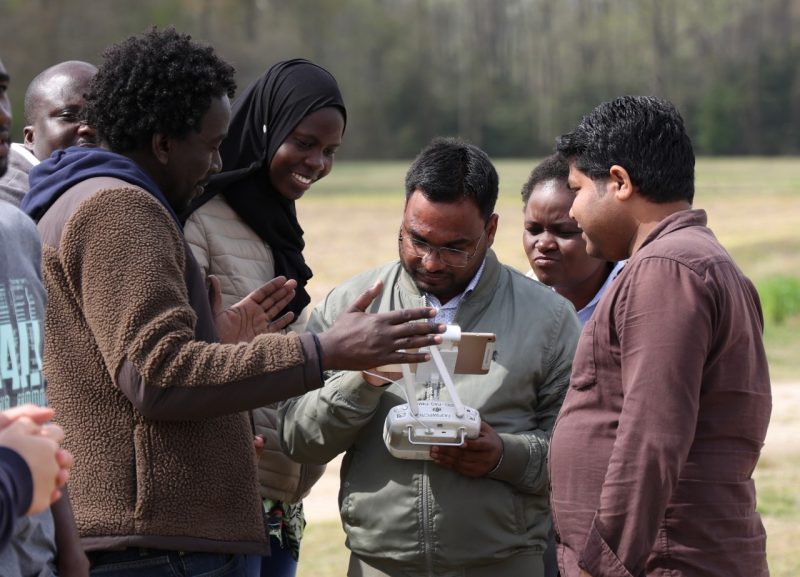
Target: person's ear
160, 144
491, 228
27, 137
621, 182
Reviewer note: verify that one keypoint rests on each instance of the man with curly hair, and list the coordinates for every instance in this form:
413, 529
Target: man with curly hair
151, 401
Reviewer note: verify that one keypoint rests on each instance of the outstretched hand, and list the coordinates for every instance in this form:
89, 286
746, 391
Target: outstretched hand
254, 314
360, 340
476, 457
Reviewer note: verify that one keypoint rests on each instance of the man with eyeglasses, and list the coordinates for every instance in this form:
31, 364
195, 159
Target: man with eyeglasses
475, 510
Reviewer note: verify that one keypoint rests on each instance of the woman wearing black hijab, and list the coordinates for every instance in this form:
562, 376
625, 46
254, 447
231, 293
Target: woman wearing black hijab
285, 129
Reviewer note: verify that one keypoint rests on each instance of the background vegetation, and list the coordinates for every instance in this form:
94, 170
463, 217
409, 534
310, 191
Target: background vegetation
753, 205
508, 75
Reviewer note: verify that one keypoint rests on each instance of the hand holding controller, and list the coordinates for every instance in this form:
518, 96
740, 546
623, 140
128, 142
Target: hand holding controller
476, 457
411, 429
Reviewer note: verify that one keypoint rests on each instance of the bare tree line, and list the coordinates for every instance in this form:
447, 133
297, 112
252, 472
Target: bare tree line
509, 75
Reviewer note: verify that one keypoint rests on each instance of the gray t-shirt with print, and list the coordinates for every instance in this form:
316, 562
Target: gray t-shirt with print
31, 552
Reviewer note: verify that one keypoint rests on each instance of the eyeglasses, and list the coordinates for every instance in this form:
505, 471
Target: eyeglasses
449, 256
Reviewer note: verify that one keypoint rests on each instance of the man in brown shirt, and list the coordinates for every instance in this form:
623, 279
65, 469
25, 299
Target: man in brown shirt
669, 401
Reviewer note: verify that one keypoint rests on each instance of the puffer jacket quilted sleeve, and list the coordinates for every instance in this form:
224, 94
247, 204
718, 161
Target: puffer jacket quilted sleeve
229, 249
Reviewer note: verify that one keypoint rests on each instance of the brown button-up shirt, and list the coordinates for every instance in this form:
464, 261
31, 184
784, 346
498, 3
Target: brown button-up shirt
652, 455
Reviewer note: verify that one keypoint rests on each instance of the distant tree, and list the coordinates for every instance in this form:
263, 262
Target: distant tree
508, 75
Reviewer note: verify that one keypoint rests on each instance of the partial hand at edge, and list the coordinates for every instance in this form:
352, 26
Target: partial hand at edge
360, 340
254, 314
258, 444
72, 561
49, 465
78, 566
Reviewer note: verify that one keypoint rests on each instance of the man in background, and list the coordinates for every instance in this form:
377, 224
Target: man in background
31, 540
54, 111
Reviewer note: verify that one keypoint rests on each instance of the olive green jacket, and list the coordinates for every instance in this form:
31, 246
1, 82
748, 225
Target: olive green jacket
426, 517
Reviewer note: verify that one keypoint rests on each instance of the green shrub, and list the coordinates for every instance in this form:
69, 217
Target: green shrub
780, 298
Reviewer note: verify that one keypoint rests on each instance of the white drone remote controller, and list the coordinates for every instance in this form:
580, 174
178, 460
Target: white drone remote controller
411, 429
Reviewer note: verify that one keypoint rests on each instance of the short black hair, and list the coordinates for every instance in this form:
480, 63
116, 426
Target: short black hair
449, 169
643, 134
554, 167
156, 82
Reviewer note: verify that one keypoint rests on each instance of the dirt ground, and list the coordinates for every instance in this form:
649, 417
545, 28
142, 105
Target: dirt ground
782, 438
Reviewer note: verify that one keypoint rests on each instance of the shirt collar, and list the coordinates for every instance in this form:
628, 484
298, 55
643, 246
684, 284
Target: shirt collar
447, 312
586, 312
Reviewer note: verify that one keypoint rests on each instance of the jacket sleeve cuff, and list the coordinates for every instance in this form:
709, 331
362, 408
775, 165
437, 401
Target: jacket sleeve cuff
357, 392
514, 461
598, 559
18, 479
313, 365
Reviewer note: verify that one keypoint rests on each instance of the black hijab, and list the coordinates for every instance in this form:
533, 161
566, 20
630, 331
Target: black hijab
262, 117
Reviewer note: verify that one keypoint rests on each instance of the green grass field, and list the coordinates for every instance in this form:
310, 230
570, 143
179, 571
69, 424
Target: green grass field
351, 221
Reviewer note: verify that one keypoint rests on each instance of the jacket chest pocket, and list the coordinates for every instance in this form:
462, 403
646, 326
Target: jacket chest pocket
584, 368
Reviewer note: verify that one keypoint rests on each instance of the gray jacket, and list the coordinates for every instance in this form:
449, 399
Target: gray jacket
14, 183
416, 513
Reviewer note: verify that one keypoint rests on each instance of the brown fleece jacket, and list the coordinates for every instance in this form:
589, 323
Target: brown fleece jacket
150, 405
